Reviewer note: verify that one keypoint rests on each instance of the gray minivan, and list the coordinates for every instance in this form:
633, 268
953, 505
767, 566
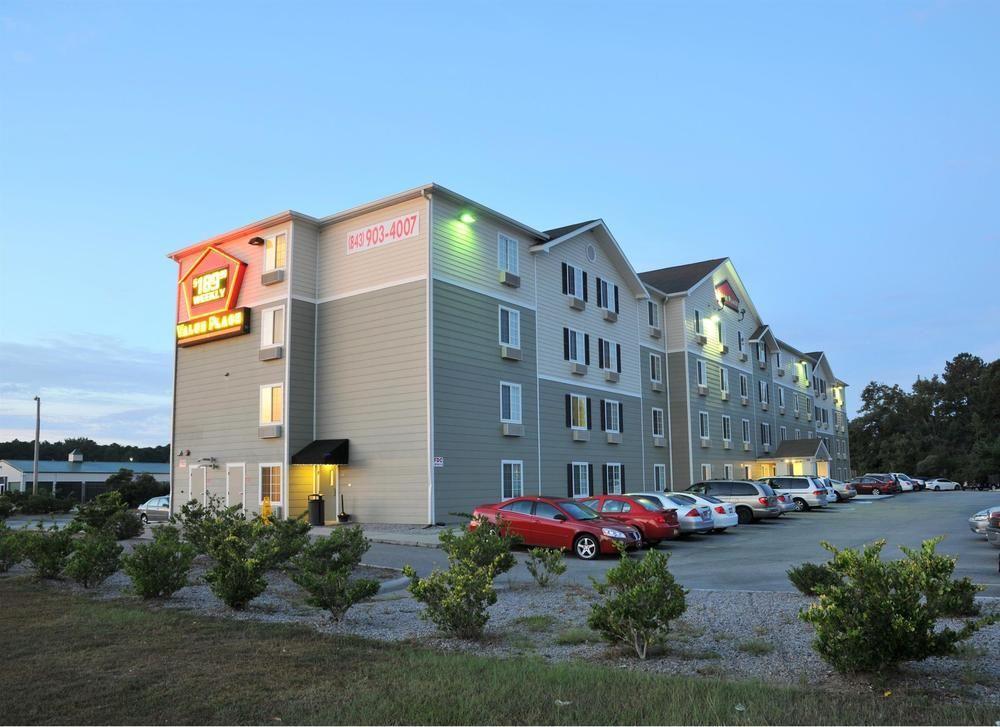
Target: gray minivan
806, 492
752, 500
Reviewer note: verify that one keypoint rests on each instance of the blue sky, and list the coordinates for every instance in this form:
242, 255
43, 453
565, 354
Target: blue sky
846, 156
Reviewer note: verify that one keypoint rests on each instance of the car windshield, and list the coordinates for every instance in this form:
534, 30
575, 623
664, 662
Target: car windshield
648, 503
766, 489
578, 512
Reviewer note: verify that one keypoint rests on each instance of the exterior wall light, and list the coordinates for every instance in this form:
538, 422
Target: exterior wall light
256, 241
467, 217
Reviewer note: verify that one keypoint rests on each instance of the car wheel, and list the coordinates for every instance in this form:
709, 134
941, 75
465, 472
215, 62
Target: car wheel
839, 498
876, 491
144, 518
744, 515
800, 505
586, 547
937, 488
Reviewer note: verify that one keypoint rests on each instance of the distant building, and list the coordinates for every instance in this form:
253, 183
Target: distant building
72, 477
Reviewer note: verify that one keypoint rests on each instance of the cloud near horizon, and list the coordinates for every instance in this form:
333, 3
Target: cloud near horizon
90, 386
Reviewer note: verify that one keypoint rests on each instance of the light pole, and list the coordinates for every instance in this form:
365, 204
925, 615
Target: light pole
38, 426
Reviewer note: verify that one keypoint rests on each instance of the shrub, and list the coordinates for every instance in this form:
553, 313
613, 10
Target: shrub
29, 504
111, 513
7, 507
640, 599
949, 597
324, 569
160, 568
483, 544
11, 547
202, 524
289, 537
47, 550
811, 578
545, 564
883, 613
94, 557
143, 488
242, 558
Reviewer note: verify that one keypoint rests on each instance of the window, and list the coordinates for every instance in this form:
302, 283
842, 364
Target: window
746, 431
272, 326
510, 327
609, 355
795, 403
727, 471
275, 252
777, 359
574, 281
521, 506
657, 422
782, 434
607, 295
727, 429
576, 346
545, 510
270, 483
611, 416
703, 424
581, 479
720, 331
655, 368
798, 434
659, 477
698, 328
744, 386
781, 396
702, 376
510, 403
706, 472
613, 479
723, 379
511, 478
764, 392
578, 411
271, 404
765, 433
507, 253
653, 313
741, 343
761, 351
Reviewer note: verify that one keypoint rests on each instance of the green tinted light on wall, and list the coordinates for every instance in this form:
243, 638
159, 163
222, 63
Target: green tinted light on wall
467, 217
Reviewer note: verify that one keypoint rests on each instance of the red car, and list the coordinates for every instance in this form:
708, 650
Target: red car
652, 521
875, 485
558, 522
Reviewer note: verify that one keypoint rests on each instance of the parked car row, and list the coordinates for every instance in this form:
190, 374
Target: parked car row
987, 522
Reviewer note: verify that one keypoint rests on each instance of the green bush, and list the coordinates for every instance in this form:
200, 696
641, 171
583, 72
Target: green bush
456, 600
811, 578
28, 504
949, 597
289, 537
201, 525
7, 507
142, 489
48, 550
95, 556
11, 547
324, 569
639, 600
546, 564
883, 613
242, 557
160, 568
111, 513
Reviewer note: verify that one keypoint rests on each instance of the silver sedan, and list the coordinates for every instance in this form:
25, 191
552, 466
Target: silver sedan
694, 517
979, 521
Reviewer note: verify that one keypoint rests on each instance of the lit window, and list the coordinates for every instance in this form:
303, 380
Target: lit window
510, 327
703, 424
612, 416
510, 403
270, 483
578, 412
507, 253
581, 479
272, 326
275, 251
613, 478
271, 404
659, 477
511, 478
657, 422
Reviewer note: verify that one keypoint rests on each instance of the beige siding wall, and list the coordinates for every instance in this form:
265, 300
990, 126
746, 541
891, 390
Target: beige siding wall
676, 328
304, 258
371, 386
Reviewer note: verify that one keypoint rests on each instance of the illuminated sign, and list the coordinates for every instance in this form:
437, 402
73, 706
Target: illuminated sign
207, 295
727, 296
382, 233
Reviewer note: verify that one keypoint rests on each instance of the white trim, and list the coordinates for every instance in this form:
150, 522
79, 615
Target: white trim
273, 237
607, 477
510, 312
538, 383
727, 418
284, 326
503, 463
483, 291
286, 385
260, 401
430, 357
586, 469
520, 403
663, 468
572, 411
243, 483
260, 482
577, 384
705, 433
652, 421
517, 253
360, 291
660, 367
618, 422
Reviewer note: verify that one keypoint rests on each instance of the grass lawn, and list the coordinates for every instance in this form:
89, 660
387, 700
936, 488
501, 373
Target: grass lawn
73, 660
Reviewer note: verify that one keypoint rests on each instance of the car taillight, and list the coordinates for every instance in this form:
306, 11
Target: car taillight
762, 500
670, 517
820, 492
720, 509
693, 512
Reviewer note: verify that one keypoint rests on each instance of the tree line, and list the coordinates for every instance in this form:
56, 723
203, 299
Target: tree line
945, 426
92, 451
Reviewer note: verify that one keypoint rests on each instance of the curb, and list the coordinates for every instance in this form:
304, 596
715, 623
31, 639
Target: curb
395, 584
401, 541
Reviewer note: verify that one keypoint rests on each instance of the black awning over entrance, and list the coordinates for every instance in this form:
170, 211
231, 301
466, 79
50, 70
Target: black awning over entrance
323, 451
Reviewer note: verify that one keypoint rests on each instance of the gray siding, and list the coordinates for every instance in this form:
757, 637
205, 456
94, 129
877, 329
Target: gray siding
653, 455
467, 375
680, 427
712, 403
301, 350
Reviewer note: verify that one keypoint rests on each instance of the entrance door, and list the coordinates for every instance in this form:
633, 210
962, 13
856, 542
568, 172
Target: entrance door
198, 484
236, 484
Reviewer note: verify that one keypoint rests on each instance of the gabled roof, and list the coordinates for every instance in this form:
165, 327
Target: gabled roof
61, 466
558, 232
680, 278
802, 448
760, 333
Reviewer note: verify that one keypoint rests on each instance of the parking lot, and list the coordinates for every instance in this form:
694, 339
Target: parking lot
756, 557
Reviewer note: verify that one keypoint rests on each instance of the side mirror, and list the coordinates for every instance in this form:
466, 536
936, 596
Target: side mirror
559, 516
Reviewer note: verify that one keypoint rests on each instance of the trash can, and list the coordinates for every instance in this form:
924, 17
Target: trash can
316, 510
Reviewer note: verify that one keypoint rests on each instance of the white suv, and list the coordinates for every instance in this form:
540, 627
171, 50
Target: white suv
806, 492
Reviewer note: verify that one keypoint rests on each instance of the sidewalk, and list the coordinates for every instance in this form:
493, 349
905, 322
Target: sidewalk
412, 535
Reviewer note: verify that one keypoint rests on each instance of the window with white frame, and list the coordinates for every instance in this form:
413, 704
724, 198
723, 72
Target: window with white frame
613, 475
270, 483
659, 477
578, 412
703, 429
795, 403
655, 368
746, 431
720, 331
607, 295
653, 313
657, 422
727, 429
271, 403
741, 342
507, 253
698, 327
782, 434
574, 281
272, 326
702, 375
612, 416
511, 478
510, 403
761, 351
575, 344
765, 433
744, 386
781, 396
609, 355
581, 479
764, 392
727, 471
706, 472
798, 434
723, 379
275, 252
510, 327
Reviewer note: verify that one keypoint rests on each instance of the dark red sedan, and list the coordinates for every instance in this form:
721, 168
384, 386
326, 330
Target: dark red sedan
652, 521
875, 485
558, 522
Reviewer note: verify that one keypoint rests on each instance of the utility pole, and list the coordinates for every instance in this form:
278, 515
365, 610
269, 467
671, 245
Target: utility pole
38, 426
